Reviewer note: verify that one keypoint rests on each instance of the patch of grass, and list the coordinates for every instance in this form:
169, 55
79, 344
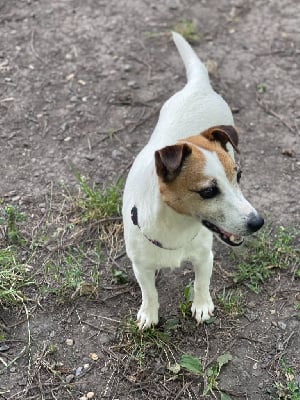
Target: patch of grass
232, 301
65, 250
66, 277
188, 30
13, 277
141, 344
96, 204
265, 254
286, 387
10, 216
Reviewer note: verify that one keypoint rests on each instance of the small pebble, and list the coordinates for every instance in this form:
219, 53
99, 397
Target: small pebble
90, 395
282, 325
127, 68
90, 157
94, 356
69, 342
133, 84
69, 378
78, 371
116, 153
4, 347
280, 346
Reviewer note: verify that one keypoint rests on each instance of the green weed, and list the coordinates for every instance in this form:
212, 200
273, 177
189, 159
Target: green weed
287, 388
188, 30
67, 276
193, 365
140, 344
96, 204
232, 301
13, 277
265, 254
188, 296
261, 88
119, 276
10, 217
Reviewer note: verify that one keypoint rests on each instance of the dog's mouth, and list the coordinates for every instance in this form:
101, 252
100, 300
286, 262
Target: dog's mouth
226, 237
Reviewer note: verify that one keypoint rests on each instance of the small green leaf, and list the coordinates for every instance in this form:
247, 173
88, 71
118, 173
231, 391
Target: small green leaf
209, 321
224, 396
171, 325
192, 364
210, 372
224, 359
188, 292
119, 276
261, 88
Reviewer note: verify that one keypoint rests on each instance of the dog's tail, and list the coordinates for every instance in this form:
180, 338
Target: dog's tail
195, 69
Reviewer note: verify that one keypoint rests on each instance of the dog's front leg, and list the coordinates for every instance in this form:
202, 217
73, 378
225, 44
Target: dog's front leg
202, 307
148, 312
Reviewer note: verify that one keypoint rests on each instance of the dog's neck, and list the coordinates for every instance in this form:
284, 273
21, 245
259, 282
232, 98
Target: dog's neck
161, 225
135, 221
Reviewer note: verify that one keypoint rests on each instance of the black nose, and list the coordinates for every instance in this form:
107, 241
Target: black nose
255, 222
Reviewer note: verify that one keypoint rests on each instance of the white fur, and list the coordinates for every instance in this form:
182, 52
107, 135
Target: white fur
192, 110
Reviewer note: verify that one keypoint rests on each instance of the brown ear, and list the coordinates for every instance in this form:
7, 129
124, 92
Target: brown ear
169, 160
223, 134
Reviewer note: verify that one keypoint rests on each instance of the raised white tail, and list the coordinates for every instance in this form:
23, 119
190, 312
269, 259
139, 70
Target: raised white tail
195, 69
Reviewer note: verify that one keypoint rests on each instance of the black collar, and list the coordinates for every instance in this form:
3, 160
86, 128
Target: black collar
134, 219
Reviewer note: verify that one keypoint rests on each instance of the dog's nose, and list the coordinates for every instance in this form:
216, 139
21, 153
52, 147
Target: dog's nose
255, 222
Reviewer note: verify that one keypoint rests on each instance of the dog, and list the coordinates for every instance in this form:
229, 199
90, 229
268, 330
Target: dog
183, 188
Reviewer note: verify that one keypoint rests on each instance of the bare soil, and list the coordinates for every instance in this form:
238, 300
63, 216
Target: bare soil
81, 84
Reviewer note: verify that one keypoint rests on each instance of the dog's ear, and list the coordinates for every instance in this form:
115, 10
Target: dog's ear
169, 160
223, 134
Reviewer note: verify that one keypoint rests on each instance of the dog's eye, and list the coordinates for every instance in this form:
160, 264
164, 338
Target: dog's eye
238, 176
209, 192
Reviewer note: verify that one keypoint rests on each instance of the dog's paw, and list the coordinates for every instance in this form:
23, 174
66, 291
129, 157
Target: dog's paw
203, 310
147, 316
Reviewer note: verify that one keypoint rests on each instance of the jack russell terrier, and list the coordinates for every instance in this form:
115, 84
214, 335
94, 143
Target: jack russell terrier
183, 188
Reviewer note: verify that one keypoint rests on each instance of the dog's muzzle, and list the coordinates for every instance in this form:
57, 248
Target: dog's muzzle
226, 237
254, 223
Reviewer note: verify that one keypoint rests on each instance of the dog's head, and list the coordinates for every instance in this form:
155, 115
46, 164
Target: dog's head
199, 177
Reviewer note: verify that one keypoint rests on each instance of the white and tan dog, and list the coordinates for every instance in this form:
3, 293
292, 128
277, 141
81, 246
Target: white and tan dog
183, 187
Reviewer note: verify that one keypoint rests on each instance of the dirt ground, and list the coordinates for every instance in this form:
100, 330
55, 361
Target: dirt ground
81, 84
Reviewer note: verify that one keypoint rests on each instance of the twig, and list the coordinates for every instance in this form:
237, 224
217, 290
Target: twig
269, 111
13, 360
107, 318
127, 290
35, 53
182, 390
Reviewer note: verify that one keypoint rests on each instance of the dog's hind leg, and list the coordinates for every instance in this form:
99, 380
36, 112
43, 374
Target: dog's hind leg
202, 307
148, 313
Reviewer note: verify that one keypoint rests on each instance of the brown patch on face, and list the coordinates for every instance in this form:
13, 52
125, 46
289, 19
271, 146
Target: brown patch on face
181, 193
214, 146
